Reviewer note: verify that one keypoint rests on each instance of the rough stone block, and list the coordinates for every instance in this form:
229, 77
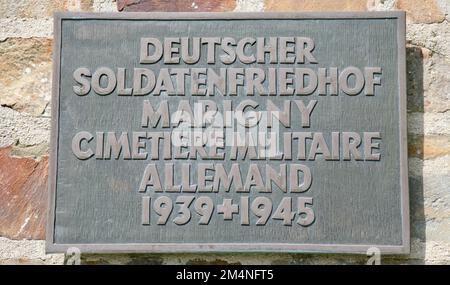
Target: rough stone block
176, 5
428, 147
429, 123
27, 252
315, 5
41, 8
25, 65
23, 130
33, 18
422, 11
23, 196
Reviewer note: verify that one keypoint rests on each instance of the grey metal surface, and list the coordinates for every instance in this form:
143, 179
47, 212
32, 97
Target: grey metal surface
95, 204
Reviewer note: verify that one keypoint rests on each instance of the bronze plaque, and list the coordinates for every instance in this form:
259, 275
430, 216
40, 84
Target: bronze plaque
209, 132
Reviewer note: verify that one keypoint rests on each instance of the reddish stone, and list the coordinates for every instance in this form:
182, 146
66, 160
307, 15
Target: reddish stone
176, 5
23, 196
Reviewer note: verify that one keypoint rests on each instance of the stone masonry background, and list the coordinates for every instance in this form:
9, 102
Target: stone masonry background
25, 85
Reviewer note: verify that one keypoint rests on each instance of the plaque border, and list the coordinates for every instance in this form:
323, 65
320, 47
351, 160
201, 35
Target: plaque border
404, 248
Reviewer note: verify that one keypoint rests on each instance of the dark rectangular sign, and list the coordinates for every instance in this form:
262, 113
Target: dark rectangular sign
180, 132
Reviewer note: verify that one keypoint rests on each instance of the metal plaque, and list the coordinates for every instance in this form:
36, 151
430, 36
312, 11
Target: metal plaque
239, 132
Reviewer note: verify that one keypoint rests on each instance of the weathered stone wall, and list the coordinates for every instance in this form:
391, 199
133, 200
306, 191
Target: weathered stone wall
25, 92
